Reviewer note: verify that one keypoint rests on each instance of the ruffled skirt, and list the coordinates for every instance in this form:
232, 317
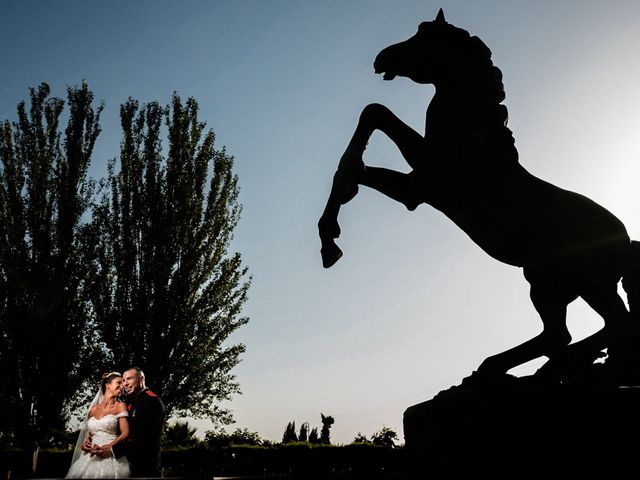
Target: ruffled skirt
88, 466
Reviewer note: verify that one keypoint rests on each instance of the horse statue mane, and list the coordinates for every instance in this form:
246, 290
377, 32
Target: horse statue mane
466, 165
466, 65
469, 59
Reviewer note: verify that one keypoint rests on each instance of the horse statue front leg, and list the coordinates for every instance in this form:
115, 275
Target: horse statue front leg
348, 175
343, 189
352, 172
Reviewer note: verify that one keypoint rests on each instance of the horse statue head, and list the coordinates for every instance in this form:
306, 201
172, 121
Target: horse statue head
439, 54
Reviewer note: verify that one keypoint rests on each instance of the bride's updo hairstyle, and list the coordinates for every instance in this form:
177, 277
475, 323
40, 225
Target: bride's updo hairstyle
106, 379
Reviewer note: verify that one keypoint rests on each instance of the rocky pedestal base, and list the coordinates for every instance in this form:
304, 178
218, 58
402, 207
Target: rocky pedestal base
526, 433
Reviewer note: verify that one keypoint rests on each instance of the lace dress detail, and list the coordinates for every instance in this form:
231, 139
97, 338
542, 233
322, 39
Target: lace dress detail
103, 431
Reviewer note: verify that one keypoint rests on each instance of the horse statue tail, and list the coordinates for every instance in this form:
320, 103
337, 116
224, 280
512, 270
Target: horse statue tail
623, 360
631, 280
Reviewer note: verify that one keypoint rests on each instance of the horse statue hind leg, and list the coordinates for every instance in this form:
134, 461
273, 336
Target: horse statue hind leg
551, 292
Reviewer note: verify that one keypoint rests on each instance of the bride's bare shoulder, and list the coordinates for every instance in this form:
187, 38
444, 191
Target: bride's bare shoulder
121, 407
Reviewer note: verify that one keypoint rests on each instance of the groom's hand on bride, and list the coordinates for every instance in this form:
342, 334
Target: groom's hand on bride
87, 445
103, 451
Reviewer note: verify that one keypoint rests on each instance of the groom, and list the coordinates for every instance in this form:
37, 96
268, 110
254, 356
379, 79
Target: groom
146, 418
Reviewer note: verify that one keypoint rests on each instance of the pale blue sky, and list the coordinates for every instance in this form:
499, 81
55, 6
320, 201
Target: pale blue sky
414, 306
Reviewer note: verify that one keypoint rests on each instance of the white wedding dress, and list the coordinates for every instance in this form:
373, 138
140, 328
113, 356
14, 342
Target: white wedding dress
103, 431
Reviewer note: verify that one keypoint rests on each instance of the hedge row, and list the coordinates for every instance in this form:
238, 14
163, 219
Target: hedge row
292, 460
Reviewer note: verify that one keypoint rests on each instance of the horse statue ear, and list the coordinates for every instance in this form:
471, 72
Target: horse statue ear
440, 17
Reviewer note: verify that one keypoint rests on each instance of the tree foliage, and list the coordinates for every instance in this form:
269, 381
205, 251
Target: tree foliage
385, 437
303, 436
325, 433
313, 436
180, 434
46, 340
290, 434
310, 436
168, 293
360, 438
240, 436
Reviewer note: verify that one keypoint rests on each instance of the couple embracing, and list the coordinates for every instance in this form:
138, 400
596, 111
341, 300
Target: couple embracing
120, 439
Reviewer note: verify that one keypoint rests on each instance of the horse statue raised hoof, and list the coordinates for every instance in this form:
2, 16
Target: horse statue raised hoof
343, 189
466, 165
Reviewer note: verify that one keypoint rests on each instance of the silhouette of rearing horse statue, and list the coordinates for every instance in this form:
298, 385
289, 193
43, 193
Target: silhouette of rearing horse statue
466, 165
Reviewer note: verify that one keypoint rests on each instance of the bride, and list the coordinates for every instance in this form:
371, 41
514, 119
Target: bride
106, 424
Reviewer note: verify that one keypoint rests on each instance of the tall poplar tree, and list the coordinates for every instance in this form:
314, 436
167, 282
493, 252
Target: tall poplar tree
46, 339
168, 292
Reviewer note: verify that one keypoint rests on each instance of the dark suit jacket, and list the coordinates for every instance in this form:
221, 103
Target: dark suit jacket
142, 446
